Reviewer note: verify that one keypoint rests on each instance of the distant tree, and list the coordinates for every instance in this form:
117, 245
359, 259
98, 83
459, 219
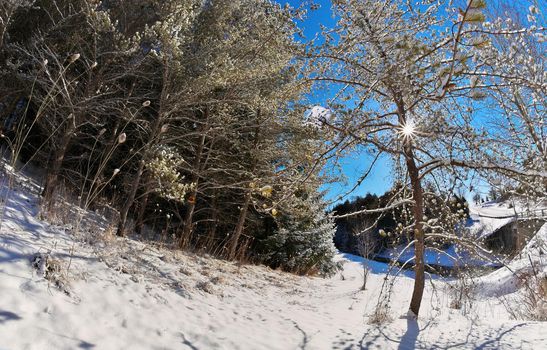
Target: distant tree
477, 198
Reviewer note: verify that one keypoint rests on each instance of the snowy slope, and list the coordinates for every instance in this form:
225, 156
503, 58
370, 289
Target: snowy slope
488, 218
491, 216
505, 280
125, 294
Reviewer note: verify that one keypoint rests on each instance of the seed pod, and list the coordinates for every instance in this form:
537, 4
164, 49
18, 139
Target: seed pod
74, 58
266, 191
122, 137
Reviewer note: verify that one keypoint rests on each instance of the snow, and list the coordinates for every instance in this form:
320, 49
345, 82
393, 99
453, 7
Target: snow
316, 116
505, 280
491, 216
488, 218
450, 257
129, 294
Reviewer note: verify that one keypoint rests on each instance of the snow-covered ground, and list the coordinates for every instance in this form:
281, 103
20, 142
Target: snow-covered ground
126, 294
483, 221
452, 257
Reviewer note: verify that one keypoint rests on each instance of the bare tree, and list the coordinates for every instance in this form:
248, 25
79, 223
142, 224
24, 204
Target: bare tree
406, 71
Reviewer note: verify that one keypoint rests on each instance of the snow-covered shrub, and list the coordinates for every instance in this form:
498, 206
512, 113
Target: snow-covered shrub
542, 286
206, 286
164, 167
50, 269
380, 314
99, 236
531, 304
304, 243
541, 311
530, 301
534, 299
217, 280
462, 294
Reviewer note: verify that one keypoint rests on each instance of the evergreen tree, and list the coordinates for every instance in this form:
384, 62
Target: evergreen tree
303, 242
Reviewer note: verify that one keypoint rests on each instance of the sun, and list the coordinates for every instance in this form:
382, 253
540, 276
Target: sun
408, 129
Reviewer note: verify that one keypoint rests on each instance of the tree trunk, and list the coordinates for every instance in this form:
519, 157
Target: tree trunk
3, 29
188, 222
197, 168
418, 211
152, 140
156, 128
130, 199
52, 177
239, 227
210, 240
142, 205
244, 210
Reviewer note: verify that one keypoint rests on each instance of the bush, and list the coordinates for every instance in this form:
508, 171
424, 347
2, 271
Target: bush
304, 250
531, 302
52, 270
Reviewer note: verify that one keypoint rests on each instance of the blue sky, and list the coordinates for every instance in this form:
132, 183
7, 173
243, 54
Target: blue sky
379, 180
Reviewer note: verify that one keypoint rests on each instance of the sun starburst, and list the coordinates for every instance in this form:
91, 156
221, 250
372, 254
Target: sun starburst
408, 129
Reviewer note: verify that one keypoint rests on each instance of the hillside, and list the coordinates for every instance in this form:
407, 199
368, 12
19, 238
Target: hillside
120, 293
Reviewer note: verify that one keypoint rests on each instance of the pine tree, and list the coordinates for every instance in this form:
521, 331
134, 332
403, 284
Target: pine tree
303, 242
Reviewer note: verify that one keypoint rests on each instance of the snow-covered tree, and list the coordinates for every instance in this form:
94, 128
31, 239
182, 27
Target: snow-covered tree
513, 67
303, 242
397, 66
163, 45
184, 115
67, 67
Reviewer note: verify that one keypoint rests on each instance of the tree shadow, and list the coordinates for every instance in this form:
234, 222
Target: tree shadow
8, 255
85, 345
494, 338
22, 211
408, 340
6, 316
82, 344
187, 342
495, 342
305, 337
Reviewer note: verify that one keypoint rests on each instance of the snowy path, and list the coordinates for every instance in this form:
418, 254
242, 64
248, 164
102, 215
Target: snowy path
129, 295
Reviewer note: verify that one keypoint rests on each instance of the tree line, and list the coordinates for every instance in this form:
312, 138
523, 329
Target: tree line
185, 116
